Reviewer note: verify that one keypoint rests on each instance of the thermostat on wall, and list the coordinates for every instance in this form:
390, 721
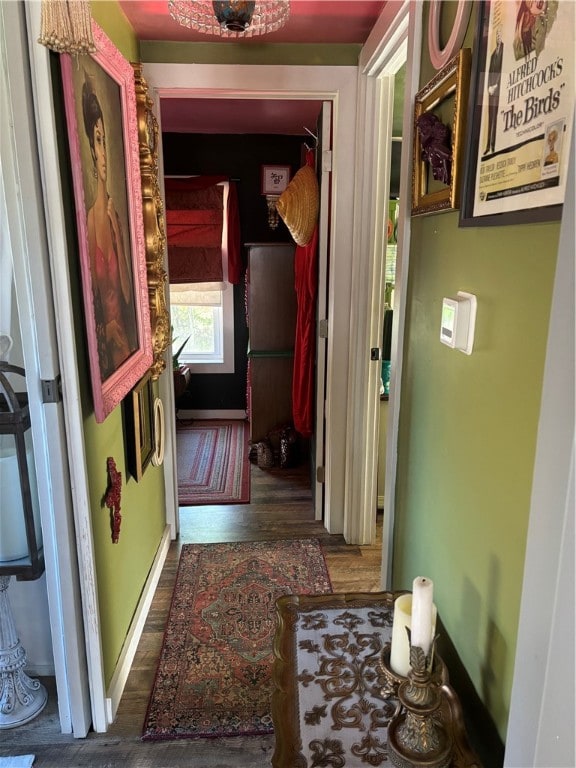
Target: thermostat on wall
458, 322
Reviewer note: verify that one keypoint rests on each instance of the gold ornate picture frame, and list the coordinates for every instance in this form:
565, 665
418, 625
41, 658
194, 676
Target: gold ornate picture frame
445, 100
154, 223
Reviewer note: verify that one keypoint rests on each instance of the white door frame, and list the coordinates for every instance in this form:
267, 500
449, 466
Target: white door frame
336, 84
166, 380
394, 40
411, 87
30, 242
62, 301
325, 162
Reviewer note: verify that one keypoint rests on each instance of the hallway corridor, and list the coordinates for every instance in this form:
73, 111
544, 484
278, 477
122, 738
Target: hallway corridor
280, 507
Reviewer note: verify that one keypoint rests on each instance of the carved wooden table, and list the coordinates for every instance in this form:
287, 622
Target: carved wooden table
327, 706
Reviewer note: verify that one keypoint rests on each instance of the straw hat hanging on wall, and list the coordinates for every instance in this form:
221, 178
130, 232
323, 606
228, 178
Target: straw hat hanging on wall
299, 203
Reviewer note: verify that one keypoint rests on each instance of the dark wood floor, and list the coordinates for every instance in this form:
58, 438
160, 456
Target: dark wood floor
280, 507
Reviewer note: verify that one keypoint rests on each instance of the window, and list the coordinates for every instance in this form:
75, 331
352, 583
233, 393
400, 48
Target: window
202, 315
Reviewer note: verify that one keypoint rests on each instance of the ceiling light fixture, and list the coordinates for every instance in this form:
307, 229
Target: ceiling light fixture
231, 19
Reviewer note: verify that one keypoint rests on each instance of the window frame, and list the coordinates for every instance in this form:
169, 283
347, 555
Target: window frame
227, 366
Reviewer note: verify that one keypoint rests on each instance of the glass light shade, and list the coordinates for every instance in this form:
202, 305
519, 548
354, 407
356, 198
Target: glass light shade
231, 19
234, 15
13, 540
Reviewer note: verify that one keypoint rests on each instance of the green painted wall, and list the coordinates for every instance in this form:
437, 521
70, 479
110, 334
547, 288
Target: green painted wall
122, 568
468, 429
109, 15
312, 54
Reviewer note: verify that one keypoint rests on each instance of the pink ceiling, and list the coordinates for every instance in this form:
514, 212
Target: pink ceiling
319, 21
239, 116
322, 21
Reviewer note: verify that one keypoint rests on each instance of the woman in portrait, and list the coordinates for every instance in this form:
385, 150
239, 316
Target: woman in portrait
552, 156
109, 266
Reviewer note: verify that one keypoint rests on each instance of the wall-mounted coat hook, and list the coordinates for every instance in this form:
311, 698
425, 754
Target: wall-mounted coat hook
313, 136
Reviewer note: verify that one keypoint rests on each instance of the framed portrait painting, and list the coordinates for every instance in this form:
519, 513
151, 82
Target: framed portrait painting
100, 105
520, 114
139, 421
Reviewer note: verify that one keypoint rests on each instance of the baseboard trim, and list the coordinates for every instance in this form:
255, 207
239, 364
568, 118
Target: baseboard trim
193, 414
116, 688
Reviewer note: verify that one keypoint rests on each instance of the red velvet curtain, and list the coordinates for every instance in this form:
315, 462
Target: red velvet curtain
306, 285
194, 230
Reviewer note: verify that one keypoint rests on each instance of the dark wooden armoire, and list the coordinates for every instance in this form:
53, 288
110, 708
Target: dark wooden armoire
271, 311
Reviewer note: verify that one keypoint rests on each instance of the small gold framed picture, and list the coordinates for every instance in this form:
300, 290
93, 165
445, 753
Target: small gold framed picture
439, 128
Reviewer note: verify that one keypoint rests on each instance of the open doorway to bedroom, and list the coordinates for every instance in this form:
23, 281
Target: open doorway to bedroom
217, 147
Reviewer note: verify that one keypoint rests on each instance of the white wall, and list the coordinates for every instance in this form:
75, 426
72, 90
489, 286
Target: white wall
542, 711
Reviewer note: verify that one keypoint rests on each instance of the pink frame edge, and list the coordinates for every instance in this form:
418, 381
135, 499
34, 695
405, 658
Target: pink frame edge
109, 393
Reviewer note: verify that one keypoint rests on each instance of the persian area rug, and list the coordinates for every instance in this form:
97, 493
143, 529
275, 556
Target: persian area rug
214, 675
212, 461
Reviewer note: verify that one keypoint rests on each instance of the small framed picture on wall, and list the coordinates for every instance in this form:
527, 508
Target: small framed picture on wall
139, 420
275, 179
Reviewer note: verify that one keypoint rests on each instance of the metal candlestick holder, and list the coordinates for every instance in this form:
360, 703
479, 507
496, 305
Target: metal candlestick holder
417, 735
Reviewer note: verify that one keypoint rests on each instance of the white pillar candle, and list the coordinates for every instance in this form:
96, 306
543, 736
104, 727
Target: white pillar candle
400, 648
422, 613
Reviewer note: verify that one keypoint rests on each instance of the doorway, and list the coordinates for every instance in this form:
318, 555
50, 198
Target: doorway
379, 61
242, 136
337, 84
389, 277
211, 393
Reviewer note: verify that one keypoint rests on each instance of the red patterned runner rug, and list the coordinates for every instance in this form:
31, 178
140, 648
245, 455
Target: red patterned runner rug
212, 459
214, 674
